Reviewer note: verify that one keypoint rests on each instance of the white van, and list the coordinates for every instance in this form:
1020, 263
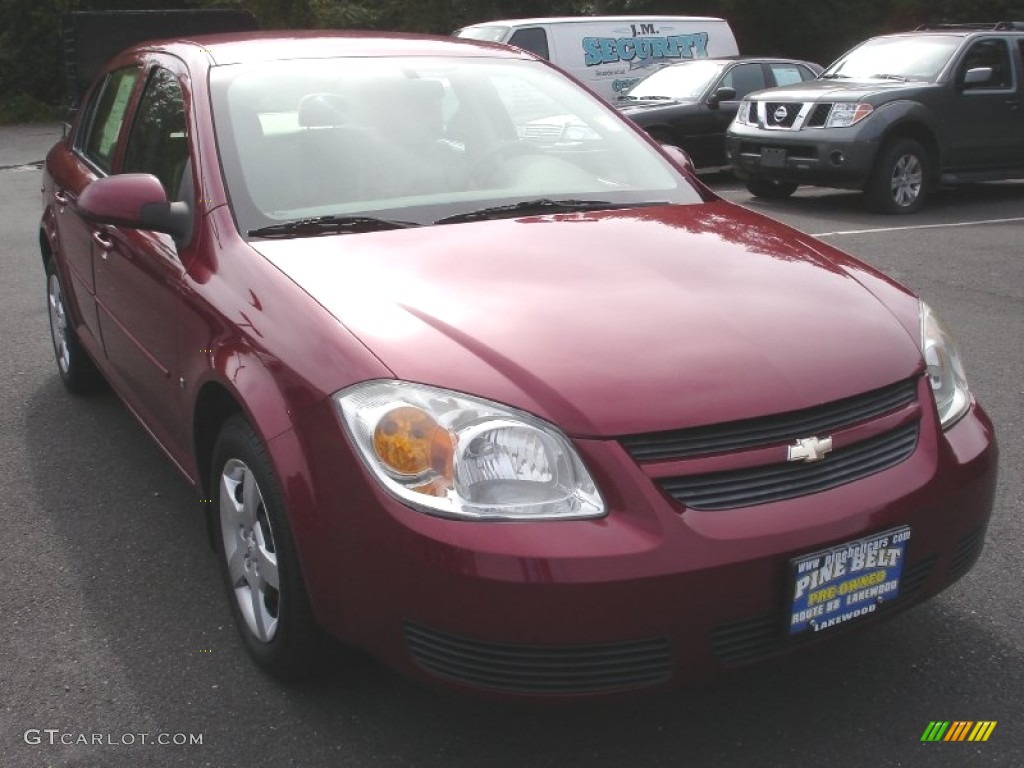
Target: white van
611, 53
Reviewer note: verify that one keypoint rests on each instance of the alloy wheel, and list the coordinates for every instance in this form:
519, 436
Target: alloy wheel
250, 550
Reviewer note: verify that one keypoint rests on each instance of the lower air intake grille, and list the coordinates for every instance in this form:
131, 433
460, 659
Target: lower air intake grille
968, 550
775, 482
541, 669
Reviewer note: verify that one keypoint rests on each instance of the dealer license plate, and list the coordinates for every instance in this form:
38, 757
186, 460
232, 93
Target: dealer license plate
773, 157
840, 584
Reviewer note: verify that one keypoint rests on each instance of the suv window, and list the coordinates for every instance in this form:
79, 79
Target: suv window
988, 53
111, 104
158, 143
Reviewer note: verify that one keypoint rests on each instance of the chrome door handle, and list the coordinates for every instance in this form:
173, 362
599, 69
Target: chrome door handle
105, 243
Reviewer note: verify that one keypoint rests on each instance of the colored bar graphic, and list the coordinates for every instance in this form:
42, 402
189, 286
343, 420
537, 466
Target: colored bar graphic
935, 731
958, 730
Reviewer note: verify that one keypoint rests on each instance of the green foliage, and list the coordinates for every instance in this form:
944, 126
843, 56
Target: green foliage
31, 74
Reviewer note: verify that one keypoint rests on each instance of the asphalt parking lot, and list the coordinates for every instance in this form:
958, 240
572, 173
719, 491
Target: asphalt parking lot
116, 627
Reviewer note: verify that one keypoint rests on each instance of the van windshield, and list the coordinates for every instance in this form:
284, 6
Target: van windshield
420, 139
489, 34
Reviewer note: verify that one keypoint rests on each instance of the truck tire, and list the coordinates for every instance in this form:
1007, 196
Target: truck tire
770, 189
899, 180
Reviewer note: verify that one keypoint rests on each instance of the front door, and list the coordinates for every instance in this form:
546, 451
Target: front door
987, 118
139, 273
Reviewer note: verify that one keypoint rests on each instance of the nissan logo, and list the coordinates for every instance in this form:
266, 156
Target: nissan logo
780, 114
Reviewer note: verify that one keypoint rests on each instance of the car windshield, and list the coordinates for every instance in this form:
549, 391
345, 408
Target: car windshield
685, 81
422, 139
912, 58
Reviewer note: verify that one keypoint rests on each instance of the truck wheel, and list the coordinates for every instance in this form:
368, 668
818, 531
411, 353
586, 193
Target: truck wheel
770, 189
899, 180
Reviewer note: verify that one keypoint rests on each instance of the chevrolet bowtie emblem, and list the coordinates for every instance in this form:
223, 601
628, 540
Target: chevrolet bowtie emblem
810, 449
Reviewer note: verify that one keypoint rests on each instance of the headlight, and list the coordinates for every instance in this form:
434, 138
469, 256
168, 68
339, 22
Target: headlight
458, 456
743, 113
845, 115
945, 371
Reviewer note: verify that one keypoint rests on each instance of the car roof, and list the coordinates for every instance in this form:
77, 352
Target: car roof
254, 47
645, 18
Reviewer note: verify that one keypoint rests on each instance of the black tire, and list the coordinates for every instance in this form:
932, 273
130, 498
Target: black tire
899, 180
251, 530
770, 189
76, 368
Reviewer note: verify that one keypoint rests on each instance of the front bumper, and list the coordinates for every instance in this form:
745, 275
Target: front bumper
653, 595
825, 157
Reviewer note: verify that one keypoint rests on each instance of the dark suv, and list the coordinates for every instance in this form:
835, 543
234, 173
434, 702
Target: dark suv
896, 116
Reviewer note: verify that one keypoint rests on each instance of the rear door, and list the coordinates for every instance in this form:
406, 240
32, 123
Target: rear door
92, 155
139, 272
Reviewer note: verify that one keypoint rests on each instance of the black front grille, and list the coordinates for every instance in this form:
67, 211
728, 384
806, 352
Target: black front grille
775, 482
541, 669
770, 430
819, 114
746, 641
781, 114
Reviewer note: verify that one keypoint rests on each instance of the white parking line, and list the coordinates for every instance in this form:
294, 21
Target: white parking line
919, 226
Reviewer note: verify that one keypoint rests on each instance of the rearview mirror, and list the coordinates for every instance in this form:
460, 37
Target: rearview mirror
134, 200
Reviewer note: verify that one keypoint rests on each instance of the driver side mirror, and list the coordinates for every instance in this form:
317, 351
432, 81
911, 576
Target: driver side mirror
977, 76
135, 200
722, 94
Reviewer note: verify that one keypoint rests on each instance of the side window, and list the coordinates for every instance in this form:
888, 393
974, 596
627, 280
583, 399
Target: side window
532, 39
993, 54
787, 74
158, 142
101, 139
744, 78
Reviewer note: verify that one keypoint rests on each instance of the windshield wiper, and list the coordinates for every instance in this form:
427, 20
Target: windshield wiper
648, 98
539, 206
901, 78
322, 225
833, 76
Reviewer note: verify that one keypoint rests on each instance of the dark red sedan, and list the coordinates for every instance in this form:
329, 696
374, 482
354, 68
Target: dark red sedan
528, 412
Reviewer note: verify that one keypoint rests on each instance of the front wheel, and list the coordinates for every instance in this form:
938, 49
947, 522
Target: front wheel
770, 189
899, 180
257, 555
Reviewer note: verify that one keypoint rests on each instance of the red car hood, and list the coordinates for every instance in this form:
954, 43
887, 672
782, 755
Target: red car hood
610, 323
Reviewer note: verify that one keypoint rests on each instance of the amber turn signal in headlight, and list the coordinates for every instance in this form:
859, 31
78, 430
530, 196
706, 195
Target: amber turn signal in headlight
459, 456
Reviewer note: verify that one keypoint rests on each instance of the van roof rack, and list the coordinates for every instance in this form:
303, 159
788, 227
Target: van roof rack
995, 26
